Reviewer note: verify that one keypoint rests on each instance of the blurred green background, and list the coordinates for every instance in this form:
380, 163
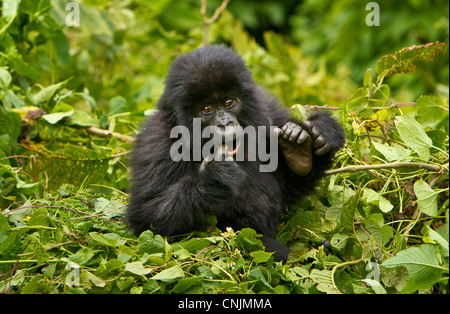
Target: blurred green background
302, 51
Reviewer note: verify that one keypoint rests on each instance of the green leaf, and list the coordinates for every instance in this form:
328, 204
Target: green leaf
435, 237
5, 78
339, 240
31, 287
82, 256
5, 229
426, 197
375, 285
392, 153
109, 208
422, 264
54, 118
39, 218
404, 60
248, 238
373, 197
171, 274
16, 62
414, 136
117, 105
95, 280
47, 93
137, 268
196, 244
149, 243
430, 112
343, 282
367, 79
185, 284
323, 280
261, 256
9, 9
108, 239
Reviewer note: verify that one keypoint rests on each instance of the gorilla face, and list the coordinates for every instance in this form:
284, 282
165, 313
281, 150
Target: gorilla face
214, 85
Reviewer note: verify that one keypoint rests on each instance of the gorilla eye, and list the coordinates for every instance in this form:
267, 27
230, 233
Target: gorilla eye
207, 109
228, 103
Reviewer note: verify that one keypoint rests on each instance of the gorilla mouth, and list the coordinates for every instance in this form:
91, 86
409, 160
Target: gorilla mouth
234, 145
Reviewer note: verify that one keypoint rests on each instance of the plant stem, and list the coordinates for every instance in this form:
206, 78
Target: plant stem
208, 21
393, 165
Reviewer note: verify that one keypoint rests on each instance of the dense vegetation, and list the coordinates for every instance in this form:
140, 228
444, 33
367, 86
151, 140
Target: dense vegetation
72, 97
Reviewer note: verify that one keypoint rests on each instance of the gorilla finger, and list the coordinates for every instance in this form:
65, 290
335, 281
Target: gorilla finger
285, 127
295, 132
277, 132
304, 136
289, 130
322, 150
314, 133
319, 141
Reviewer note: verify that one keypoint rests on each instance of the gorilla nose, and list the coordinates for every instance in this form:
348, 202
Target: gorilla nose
224, 124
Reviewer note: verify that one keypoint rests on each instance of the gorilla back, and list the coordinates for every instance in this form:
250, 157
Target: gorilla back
172, 197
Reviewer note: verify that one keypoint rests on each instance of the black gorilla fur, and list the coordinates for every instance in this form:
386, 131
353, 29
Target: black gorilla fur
173, 197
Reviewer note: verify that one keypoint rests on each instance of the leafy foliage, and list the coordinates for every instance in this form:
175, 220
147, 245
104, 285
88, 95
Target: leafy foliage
72, 98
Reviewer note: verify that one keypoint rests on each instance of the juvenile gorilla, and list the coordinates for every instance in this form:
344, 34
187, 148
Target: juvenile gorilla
173, 197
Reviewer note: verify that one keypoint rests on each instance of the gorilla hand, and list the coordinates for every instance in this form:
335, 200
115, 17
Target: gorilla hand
220, 170
296, 145
318, 141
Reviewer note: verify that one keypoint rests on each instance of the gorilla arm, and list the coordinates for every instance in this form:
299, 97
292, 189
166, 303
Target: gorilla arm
180, 207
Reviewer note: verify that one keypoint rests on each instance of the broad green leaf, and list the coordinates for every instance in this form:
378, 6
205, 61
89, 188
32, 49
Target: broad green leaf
249, 240
47, 93
109, 208
430, 112
54, 118
422, 264
261, 256
196, 244
82, 256
185, 283
171, 274
414, 136
324, 281
297, 273
5, 229
373, 197
343, 282
81, 118
149, 243
31, 287
348, 213
108, 239
375, 285
435, 237
426, 198
136, 290
392, 153
138, 268
5, 78
95, 280
339, 240
9, 9
16, 62
117, 105
39, 218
